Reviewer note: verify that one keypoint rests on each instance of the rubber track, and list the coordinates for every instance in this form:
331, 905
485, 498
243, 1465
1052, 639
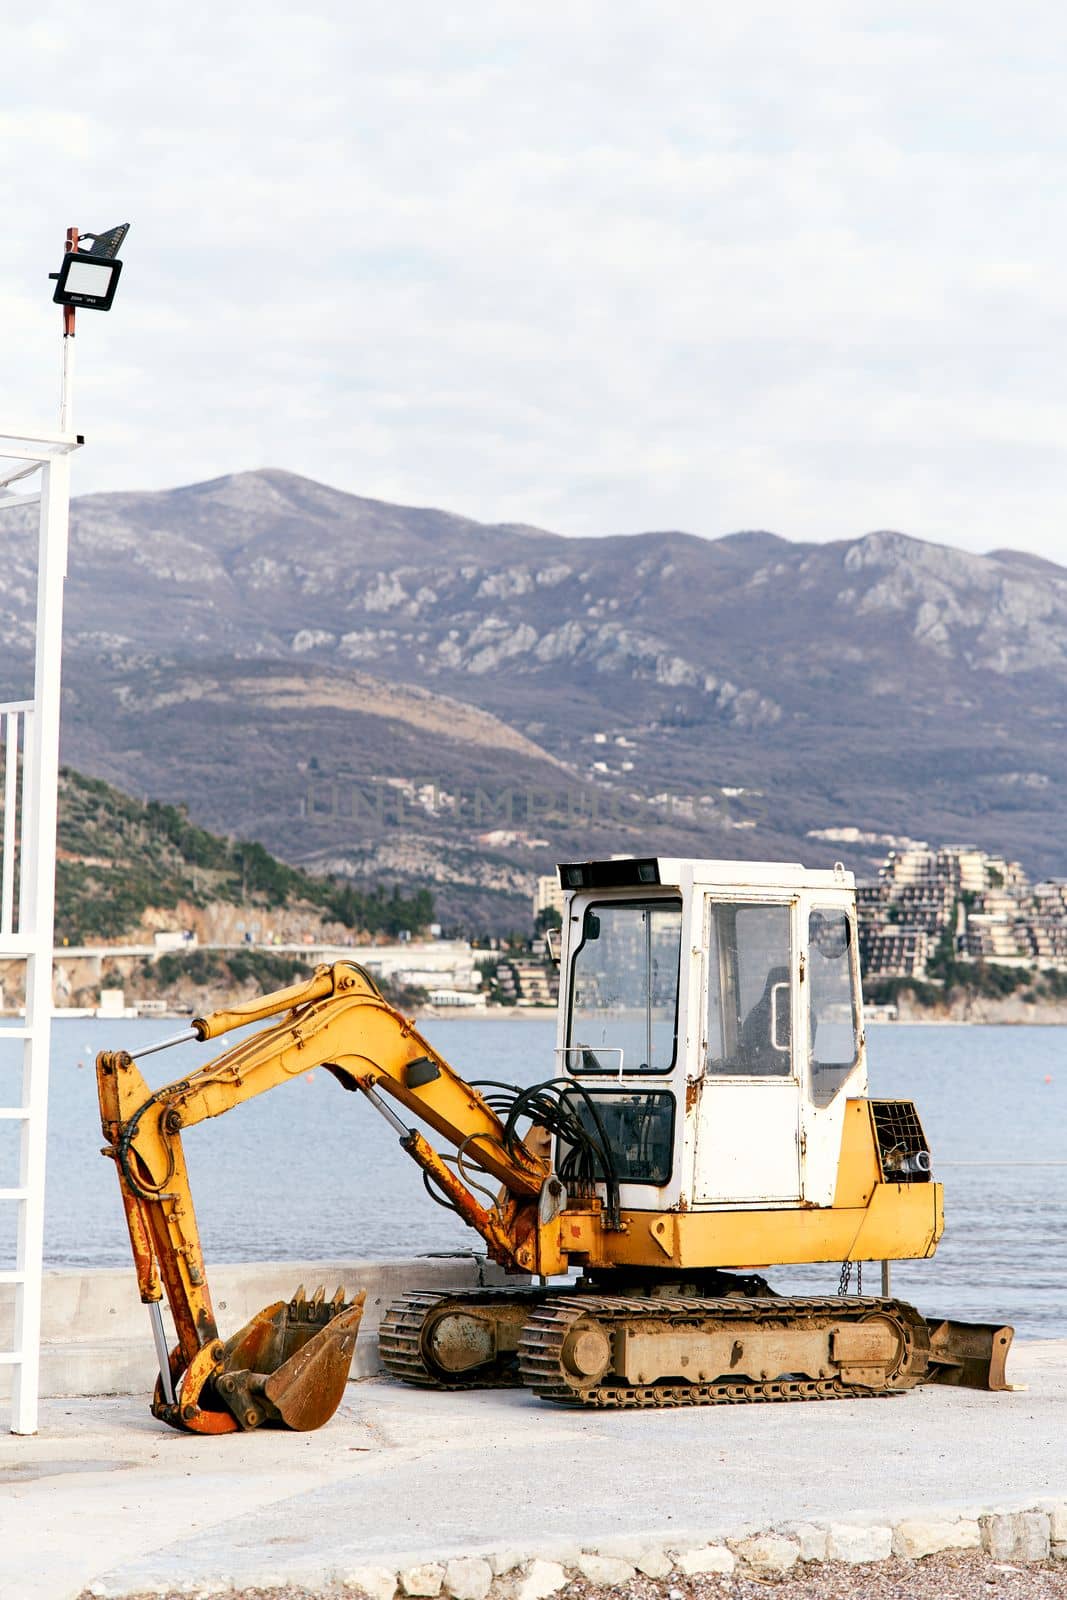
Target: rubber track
541, 1345
400, 1337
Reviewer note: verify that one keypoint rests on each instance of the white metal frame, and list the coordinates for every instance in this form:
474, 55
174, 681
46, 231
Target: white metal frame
31, 728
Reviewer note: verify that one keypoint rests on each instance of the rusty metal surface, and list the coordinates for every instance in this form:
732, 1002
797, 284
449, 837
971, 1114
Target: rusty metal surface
287, 1367
461, 1341
716, 1351
308, 1388
865, 1353
501, 1242
969, 1355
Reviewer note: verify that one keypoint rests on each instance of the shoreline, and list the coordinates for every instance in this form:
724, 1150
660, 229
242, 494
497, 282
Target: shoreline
1010, 1016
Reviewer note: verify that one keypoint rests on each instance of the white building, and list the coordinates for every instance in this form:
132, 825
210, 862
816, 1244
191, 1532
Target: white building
548, 895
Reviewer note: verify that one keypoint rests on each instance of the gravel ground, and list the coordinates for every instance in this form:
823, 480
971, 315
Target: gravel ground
964, 1576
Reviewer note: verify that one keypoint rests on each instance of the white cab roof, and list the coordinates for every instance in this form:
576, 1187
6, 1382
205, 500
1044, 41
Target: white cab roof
755, 874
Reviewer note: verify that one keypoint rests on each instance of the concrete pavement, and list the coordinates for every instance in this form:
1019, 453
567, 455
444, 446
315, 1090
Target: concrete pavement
104, 1494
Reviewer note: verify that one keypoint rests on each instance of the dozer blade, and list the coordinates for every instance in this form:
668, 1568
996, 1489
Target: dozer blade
287, 1367
971, 1355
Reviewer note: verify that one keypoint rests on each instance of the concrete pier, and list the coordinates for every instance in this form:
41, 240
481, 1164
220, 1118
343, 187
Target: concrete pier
95, 1336
404, 1478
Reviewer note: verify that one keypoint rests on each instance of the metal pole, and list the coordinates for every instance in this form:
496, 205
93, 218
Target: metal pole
66, 379
38, 872
164, 1044
885, 1280
159, 1337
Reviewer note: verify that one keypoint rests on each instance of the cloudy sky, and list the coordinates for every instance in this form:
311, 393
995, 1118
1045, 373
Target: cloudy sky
600, 266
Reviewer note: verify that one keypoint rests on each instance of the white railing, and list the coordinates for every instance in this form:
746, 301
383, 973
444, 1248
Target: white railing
17, 943
29, 734
16, 730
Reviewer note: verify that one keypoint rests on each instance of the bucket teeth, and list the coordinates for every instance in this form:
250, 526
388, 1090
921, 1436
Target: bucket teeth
307, 1389
338, 1300
299, 1297
319, 1296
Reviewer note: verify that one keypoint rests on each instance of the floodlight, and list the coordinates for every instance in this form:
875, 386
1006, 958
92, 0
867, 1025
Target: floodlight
90, 277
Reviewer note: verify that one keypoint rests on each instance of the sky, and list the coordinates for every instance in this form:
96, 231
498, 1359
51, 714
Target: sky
601, 267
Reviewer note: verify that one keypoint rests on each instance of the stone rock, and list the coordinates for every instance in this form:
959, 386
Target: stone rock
468, 1578
1059, 1551
1017, 1535
767, 1554
917, 1538
998, 1534
654, 1563
503, 1561
812, 1541
424, 1580
1058, 1523
707, 1558
1032, 1535
540, 1579
848, 1541
610, 1572
377, 1582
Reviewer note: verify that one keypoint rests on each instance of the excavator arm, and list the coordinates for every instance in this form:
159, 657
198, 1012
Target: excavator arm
290, 1363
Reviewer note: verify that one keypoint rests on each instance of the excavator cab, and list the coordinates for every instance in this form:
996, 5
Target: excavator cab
730, 990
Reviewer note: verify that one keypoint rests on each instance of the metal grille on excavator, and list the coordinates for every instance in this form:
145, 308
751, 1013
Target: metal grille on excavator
900, 1135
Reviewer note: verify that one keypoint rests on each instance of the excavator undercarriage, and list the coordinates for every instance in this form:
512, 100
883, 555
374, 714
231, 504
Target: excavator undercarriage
742, 1343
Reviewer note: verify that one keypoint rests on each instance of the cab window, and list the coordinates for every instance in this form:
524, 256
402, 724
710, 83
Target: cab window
624, 989
834, 1041
750, 1022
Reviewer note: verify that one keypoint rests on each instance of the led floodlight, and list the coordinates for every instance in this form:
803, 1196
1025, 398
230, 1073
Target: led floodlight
89, 277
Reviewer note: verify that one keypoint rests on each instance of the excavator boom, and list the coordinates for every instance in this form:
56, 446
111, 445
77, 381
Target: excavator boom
290, 1363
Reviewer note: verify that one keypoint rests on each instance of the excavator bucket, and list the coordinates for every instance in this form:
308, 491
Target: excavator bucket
971, 1355
287, 1367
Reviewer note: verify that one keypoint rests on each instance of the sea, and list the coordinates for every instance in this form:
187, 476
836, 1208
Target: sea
310, 1172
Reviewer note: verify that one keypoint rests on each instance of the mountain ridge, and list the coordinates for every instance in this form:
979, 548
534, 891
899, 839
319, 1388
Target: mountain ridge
725, 696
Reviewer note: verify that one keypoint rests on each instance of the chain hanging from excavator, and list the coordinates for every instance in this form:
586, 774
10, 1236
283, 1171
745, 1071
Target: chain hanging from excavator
706, 1113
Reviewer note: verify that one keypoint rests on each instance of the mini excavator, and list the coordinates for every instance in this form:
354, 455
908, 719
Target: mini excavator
706, 1114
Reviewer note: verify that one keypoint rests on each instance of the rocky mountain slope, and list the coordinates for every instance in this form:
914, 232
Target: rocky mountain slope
382, 688
125, 870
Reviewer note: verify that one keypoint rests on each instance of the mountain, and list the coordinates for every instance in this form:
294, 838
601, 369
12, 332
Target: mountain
125, 869
402, 693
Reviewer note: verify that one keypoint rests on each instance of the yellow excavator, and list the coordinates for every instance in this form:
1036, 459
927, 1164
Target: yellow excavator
706, 1114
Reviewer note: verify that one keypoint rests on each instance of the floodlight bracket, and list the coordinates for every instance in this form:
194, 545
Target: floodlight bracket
108, 245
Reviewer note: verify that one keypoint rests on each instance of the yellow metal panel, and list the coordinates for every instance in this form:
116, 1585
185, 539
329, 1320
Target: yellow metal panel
858, 1170
901, 1222
870, 1220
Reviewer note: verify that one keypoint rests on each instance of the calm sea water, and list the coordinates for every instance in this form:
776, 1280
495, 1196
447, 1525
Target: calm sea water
311, 1172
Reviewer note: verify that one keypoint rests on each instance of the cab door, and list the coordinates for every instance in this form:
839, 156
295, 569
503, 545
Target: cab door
747, 1137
